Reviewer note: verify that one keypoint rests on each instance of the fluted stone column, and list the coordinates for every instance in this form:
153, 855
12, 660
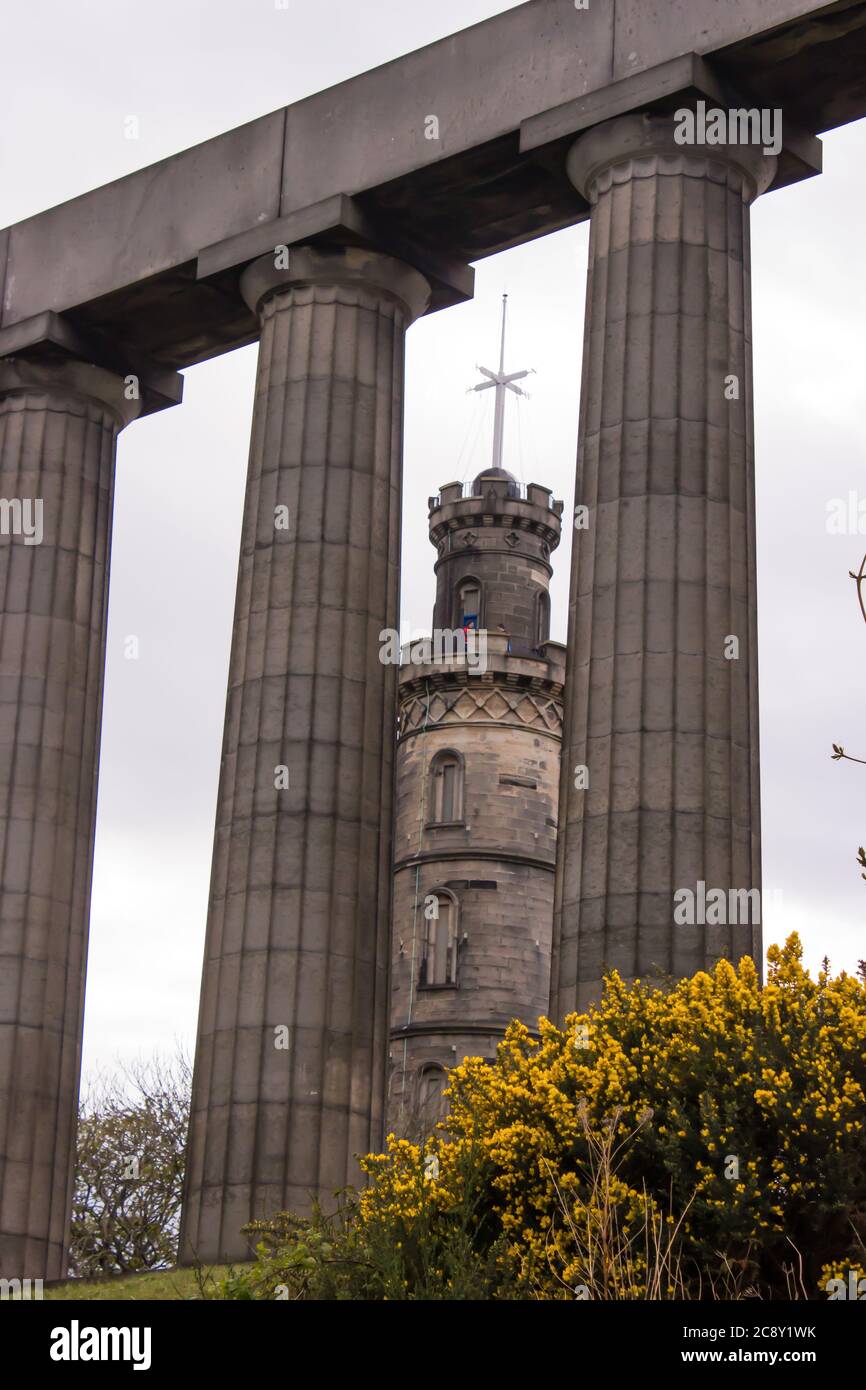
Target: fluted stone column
661, 704
291, 1056
58, 426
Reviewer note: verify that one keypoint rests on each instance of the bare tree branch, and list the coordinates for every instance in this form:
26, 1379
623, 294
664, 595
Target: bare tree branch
130, 1163
860, 580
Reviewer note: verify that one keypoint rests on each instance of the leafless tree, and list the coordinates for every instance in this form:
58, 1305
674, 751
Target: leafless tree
129, 1168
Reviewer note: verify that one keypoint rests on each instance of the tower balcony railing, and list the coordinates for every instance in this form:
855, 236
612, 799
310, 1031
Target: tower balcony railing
533, 493
455, 647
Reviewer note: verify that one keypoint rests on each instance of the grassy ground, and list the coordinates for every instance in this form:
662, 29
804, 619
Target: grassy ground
162, 1284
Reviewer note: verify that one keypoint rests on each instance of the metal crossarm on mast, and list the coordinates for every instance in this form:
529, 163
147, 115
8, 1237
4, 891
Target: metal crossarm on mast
502, 381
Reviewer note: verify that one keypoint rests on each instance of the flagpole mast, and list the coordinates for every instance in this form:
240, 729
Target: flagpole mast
501, 381
499, 414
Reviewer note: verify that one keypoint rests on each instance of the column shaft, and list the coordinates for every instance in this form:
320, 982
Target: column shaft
291, 1056
661, 705
58, 428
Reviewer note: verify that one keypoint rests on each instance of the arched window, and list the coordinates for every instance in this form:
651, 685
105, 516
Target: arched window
467, 605
432, 1104
439, 963
446, 788
542, 618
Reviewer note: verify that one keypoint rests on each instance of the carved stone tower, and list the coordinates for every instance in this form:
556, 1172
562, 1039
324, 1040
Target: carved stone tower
477, 790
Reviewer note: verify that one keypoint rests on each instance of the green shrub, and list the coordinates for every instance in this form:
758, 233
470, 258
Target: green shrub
701, 1141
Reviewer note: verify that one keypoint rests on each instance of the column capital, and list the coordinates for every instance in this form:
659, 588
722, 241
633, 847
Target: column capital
52, 354
349, 265
651, 141
337, 223
70, 378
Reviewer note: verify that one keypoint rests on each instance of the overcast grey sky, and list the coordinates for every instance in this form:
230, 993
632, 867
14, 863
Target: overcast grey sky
189, 69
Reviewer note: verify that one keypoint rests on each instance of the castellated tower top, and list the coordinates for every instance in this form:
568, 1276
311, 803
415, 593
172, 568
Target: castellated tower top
494, 540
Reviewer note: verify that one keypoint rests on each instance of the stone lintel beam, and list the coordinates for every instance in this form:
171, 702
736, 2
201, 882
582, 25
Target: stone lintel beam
428, 142
335, 222
50, 338
680, 82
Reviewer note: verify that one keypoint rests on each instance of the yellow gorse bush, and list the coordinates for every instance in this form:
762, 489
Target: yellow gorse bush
661, 1137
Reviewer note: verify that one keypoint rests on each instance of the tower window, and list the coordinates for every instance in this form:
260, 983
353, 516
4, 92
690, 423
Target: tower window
468, 604
431, 1102
439, 965
543, 618
446, 791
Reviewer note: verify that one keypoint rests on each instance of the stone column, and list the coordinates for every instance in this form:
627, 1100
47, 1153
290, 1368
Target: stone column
293, 1026
58, 427
662, 689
